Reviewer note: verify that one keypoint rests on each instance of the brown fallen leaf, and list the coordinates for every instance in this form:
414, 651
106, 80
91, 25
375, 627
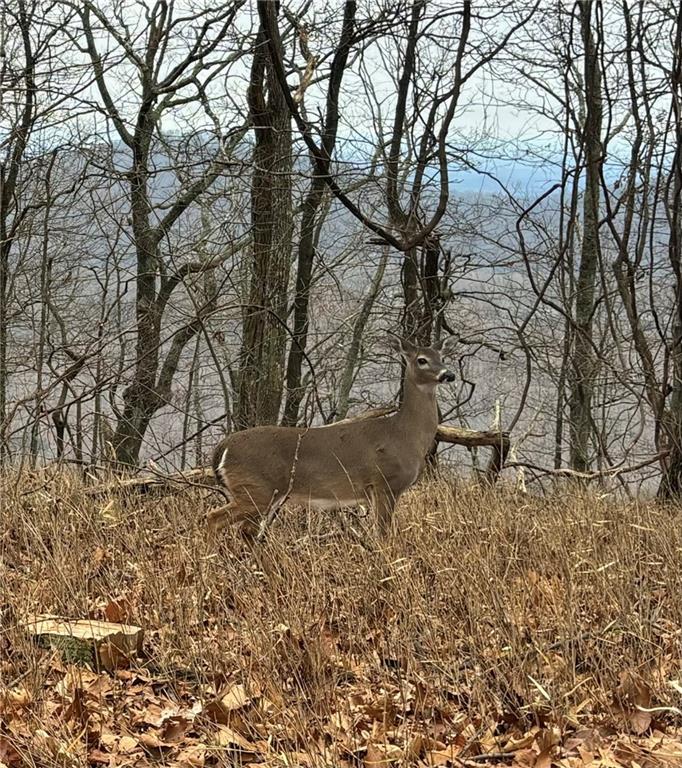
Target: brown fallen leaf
108, 739
382, 710
174, 729
194, 756
585, 755
65, 754
101, 687
9, 756
151, 740
525, 758
111, 657
236, 746
128, 744
118, 610
97, 757
547, 740
226, 737
153, 715
226, 707
13, 700
77, 709
444, 756
378, 755
421, 744
608, 759
587, 739
98, 559
235, 698
523, 742
633, 698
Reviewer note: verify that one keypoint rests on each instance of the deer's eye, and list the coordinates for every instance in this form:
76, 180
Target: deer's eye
422, 361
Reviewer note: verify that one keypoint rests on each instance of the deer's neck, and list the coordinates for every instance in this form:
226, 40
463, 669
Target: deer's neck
419, 412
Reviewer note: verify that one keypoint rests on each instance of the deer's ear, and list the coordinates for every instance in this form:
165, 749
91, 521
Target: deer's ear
400, 346
447, 346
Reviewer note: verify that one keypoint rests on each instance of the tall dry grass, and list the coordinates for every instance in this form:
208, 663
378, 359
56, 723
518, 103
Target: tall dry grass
486, 613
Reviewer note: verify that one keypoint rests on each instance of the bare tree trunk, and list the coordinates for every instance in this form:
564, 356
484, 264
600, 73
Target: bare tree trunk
356, 339
431, 287
299, 337
410, 283
189, 395
198, 413
671, 482
45, 287
14, 147
264, 340
4, 316
312, 219
561, 397
583, 359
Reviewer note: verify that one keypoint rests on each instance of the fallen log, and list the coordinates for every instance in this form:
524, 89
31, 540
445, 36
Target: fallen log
203, 476
470, 438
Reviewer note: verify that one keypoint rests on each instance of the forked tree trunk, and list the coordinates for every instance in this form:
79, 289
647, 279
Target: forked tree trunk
261, 374
312, 219
155, 280
583, 364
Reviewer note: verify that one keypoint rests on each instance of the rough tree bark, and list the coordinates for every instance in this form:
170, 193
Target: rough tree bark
261, 374
583, 363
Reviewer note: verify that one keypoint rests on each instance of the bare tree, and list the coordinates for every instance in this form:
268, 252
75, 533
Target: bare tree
19, 107
168, 80
583, 359
650, 204
311, 221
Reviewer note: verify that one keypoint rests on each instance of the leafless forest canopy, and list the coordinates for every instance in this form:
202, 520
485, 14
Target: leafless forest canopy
211, 214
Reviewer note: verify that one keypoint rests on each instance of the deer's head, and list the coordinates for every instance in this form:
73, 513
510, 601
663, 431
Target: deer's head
424, 365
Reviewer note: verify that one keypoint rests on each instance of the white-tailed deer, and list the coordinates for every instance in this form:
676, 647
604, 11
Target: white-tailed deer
335, 466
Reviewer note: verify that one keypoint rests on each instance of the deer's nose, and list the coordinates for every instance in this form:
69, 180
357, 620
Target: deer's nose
446, 375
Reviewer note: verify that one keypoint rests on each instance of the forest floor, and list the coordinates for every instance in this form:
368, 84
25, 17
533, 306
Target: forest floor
492, 628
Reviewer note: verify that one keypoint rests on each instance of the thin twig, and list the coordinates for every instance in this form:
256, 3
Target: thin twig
274, 508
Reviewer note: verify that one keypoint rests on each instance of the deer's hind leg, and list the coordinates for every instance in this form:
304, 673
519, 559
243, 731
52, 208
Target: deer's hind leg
242, 509
228, 514
383, 501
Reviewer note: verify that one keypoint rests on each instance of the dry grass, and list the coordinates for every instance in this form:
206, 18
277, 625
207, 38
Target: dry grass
539, 629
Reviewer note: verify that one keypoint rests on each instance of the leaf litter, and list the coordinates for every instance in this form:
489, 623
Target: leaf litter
305, 664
